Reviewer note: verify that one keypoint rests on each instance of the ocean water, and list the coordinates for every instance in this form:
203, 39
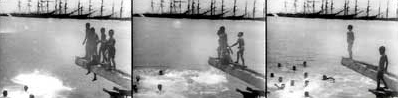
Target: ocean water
322, 43
40, 53
182, 47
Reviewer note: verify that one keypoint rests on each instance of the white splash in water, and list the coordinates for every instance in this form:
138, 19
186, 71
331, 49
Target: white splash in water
41, 85
178, 84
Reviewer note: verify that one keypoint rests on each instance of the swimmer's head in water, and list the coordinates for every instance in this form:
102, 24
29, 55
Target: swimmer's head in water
324, 77
25, 88
240, 34
272, 75
280, 79
31, 96
306, 94
87, 25
102, 30
305, 75
161, 72
111, 32
382, 49
5, 93
138, 78
160, 87
294, 68
292, 83
279, 65
349, 27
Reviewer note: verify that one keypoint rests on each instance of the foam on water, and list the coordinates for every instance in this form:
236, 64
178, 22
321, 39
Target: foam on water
181, 83
41, 85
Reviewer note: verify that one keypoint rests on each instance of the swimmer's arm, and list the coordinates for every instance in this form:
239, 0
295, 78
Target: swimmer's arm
276, 85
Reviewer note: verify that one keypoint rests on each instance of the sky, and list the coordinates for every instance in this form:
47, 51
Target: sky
142, 6
7, 6
275, 6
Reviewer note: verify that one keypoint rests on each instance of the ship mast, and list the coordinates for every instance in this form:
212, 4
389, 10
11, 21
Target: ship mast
151, 5
180, 6
38, 7
47, 6
322, 6
396, 12
246, 7
171, 7
367, 10
388, 1
348, 6
102, 7
379, 9
78, 8
285, 6
113, 8
331, 6
295, 5
198, 7
19, 5
345, 7
304, 7
222, 6
189, 6
326, 7
356, 7
121, 9
89, 6
65, 6
29, 5
313, 6
254, 9
234, 9
211, 7
193, 7
60, 7
161, 6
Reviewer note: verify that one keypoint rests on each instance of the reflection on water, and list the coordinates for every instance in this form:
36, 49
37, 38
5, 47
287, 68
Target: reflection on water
41, 85
180, 83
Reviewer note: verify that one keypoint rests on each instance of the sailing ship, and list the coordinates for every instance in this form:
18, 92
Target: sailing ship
193, 11
61, 11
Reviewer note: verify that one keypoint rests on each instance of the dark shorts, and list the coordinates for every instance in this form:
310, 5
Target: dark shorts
380, 74
241, 49
111, 52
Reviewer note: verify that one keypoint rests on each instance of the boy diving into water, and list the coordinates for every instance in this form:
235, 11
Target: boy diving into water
241, 48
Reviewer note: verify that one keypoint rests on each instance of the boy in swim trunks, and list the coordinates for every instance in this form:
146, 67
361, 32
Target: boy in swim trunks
103, 45
87, 37
381, 69
350, 40
241, 48
111, 49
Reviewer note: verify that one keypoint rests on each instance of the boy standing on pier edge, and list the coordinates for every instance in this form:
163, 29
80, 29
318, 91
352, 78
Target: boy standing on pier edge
350, 39
382, 69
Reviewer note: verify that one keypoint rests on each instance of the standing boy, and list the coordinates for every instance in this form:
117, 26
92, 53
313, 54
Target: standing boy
381, 69
241, 48
350, 39
111, 49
